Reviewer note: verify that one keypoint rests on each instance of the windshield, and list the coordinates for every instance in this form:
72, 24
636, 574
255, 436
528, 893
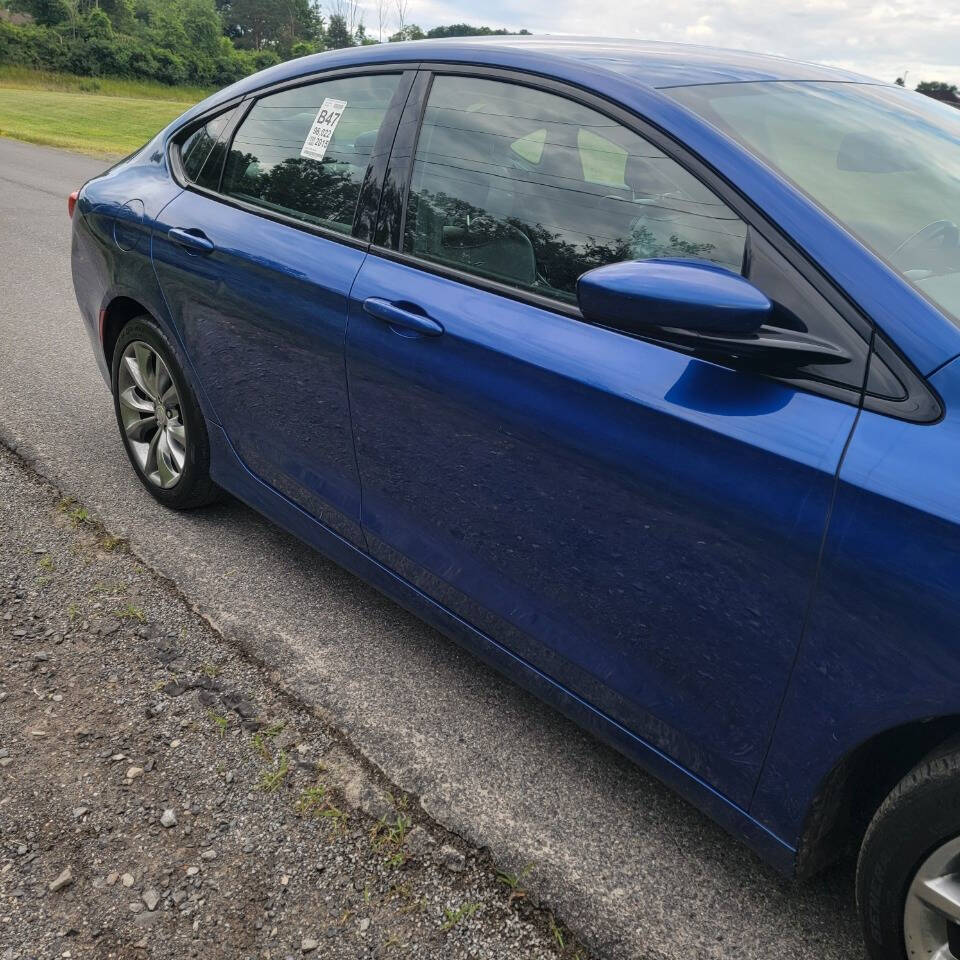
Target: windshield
883, 161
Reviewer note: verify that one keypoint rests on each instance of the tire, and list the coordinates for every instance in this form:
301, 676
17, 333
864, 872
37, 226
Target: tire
171, 458
913, 837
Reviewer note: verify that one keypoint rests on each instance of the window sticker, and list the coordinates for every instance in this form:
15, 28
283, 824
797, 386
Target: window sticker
321, 132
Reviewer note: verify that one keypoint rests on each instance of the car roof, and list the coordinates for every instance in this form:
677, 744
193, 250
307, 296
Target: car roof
656, 64
652, 64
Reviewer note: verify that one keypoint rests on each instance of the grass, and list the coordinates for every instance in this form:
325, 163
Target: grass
453, 917
130, 612
102, 116
270, 780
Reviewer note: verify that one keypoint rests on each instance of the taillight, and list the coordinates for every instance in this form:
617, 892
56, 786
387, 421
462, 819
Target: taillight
72, 202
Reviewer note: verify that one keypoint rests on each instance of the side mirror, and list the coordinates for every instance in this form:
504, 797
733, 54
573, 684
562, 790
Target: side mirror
640, 296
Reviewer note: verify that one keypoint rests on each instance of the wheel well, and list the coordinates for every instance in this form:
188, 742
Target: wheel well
119, 312
853, 790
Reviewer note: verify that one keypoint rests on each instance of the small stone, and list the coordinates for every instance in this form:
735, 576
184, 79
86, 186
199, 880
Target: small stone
64, 880
112, 878
168, 818
452, 859
5, 761
209, 854
364, 924
308, 945
134, 772
79, 812
151, 898
419, 842
127, 880
192, 871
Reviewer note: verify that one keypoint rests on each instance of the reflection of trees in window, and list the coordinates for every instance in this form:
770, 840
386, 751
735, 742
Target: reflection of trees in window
316, 190
446, 228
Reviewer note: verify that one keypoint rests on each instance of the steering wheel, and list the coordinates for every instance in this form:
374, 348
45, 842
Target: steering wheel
945, 230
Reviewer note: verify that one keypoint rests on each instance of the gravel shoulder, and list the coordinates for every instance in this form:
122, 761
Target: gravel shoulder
162, 795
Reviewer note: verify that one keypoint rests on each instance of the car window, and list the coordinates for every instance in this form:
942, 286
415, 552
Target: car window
201, 154
528, 188
304, 152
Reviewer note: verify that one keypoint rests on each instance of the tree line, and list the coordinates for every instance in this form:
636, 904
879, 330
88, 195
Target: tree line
202, 42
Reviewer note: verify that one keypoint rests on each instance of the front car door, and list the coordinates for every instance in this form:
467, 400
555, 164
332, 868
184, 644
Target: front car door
256, 262
638, 523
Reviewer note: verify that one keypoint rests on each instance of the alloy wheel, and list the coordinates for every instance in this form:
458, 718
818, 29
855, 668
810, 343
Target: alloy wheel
931, 916
151, 414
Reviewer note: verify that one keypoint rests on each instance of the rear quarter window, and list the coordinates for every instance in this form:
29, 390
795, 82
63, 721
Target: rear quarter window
201, 153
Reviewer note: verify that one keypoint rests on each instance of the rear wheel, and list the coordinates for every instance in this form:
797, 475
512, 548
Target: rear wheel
908, 874
160, 422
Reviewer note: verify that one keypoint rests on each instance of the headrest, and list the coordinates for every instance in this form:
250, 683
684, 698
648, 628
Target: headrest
643, 177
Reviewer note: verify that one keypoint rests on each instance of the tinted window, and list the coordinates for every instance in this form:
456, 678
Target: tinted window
272, 164
202, 152
531, 189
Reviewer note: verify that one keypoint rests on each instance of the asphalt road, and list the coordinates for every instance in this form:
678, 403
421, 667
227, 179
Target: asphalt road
637, 871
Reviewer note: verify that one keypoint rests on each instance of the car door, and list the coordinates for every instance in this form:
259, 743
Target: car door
256, 265
638, 523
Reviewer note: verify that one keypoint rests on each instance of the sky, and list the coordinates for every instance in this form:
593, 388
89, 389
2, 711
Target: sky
880, 39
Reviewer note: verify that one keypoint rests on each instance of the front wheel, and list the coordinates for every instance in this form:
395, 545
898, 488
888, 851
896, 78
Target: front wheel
160, 422
908, 874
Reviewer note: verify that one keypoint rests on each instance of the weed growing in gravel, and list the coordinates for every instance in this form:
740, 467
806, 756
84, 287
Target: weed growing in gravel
258, 744
130, 612
270, 780
557, 932
219, 721
311, 799
335, 815
513, 881
209, 669
110, 543
45, 562
453, 917
314, 802
391, 836
73, 611
79, 516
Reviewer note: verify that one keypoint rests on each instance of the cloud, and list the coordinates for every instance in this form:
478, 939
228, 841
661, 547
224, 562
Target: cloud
880, 39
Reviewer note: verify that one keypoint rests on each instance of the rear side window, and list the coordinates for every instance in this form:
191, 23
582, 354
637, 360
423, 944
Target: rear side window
201, 154
304, 152
528, 188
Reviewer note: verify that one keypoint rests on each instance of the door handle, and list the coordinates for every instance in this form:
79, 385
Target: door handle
399, 317
194, 240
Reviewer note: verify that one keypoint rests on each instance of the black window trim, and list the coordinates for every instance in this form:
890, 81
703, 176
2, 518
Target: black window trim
922, 403
245, 104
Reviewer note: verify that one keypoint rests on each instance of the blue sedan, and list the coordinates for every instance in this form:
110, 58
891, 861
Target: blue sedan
631, 367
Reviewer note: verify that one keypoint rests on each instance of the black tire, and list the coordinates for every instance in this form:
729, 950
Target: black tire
194, 488
920, 815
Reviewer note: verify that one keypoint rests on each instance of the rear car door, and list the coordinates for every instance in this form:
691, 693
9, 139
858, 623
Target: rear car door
640, 524
256, 259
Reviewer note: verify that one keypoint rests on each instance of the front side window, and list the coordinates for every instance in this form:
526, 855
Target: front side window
881, 160
304, 152
530, 189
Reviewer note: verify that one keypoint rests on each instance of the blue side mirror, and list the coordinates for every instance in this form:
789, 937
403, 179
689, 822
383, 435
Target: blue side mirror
639, 296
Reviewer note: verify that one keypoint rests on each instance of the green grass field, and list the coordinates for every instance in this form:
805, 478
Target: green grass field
101, 116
